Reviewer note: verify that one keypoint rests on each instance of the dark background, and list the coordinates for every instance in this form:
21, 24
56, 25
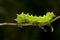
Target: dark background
9, 9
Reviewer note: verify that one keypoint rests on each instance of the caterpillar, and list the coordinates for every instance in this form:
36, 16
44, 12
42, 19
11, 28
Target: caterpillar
30, 19
21, 18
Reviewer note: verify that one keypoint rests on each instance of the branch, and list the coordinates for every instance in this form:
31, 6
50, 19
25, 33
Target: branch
15, 24
42, 27
1, 24
55, 18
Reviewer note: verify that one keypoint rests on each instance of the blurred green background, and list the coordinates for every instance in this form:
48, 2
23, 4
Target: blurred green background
9, 9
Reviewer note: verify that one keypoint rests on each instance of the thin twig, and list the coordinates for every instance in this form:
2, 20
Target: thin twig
42, 28
15, 24
1, 24
55, 18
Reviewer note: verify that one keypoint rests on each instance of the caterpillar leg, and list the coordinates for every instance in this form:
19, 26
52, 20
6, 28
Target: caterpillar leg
52, 29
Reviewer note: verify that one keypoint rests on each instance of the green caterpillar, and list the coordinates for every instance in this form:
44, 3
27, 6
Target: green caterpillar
21, 18
30, 19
